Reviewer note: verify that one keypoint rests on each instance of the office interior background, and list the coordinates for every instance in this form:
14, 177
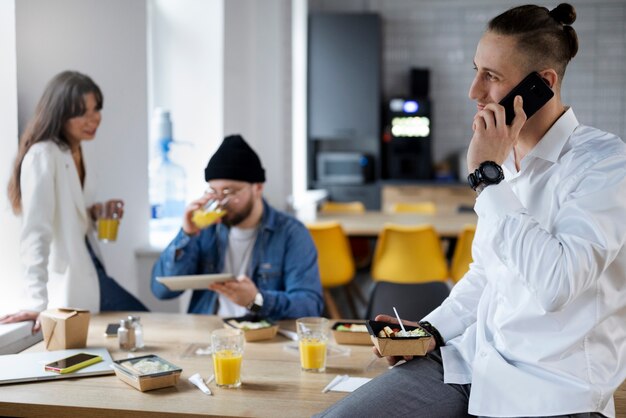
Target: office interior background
240, 66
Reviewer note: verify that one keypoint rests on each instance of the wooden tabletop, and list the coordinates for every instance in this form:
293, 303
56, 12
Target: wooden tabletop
369, 224
272, 382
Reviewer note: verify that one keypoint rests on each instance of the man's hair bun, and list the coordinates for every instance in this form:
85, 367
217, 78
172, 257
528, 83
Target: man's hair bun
564, 13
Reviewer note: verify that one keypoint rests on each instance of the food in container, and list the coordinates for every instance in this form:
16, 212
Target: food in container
414, 342
147, 372
254, 328
351, 332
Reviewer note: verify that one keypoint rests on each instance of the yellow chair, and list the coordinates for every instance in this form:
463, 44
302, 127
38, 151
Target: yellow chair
425, 208
335, 262
409, 254
462, 256
361, 249
342, 207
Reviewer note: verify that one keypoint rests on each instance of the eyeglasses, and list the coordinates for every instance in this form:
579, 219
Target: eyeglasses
226, 195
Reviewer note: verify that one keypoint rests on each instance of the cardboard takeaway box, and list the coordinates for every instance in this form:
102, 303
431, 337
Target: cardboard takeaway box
398, 346
351, 337
251, 335
147, 372
65, 328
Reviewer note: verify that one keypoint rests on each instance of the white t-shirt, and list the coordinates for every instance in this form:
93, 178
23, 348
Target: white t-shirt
237, 261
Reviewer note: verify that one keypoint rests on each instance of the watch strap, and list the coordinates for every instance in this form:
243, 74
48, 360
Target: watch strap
478, 177
430, 328
257, 304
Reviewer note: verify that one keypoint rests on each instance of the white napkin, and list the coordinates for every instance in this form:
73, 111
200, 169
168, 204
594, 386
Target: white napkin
345, 383
350, 384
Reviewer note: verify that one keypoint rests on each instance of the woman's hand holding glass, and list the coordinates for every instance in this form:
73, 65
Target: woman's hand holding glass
108, 217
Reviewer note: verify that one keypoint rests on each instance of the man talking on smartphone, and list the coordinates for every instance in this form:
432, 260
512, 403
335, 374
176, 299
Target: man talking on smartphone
537, 326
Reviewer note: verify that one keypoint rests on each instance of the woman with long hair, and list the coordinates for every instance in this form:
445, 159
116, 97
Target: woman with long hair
53, 191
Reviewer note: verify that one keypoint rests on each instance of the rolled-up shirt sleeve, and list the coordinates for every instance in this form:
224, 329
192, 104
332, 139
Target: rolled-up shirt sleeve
587, 232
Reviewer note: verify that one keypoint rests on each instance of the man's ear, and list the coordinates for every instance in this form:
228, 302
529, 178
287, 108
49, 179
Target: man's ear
550, 77
258, 188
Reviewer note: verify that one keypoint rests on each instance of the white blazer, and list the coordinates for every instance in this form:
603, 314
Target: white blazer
58, 270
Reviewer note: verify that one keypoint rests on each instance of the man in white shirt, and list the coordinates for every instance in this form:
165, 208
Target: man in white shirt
537, 327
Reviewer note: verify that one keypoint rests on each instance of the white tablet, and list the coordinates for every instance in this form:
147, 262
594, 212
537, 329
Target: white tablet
194, 281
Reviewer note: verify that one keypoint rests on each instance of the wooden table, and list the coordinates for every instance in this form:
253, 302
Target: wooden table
272, 382
369, 224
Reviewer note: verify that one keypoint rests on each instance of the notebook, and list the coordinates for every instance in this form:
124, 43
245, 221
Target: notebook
29, 367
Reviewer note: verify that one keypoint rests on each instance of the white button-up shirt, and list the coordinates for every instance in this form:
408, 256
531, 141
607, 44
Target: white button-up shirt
538, 324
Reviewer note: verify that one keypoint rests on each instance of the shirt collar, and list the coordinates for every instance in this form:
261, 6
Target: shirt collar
550, 146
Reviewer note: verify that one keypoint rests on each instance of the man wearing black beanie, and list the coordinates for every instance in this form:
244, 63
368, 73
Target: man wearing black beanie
270, 253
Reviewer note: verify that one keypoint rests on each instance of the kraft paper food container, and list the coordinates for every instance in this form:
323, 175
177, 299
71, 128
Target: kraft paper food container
147, 372
260, 334
398, 346
351, 337
65, 328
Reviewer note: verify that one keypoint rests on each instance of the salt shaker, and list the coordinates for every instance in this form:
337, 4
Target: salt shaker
126, 335
135, 322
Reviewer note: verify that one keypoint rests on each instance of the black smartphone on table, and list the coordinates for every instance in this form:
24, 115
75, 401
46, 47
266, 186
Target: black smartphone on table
534, 91
111, 330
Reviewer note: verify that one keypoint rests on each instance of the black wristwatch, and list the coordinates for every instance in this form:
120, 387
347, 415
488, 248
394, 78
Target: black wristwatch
256, 304
439, 342
487, 173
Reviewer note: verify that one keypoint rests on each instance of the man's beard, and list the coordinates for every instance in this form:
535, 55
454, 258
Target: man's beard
234, 219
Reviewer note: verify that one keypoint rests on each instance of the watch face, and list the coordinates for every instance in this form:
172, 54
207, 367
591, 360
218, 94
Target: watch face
490, 172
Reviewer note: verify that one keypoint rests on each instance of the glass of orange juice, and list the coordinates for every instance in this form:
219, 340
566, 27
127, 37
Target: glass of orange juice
227, 347
209, 213
312, 339
109, 216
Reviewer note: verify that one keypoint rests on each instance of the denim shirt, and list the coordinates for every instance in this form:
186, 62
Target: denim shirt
283, 266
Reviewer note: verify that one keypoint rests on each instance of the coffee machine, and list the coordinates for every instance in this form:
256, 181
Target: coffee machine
407, 137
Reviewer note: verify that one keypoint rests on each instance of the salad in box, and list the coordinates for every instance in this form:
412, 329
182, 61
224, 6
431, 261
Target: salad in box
351, 332
253, 327
390, 340
147, 372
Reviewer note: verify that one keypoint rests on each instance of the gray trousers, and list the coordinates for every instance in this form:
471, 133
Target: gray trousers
414, 389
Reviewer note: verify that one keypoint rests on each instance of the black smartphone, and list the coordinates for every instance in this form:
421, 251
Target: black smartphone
73, 363
111, 330
534, 91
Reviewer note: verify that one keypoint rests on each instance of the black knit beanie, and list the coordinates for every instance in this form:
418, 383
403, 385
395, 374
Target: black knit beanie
235, 160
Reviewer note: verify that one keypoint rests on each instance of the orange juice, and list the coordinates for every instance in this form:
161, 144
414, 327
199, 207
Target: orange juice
107, 229
313, 354
203, 219
227, 366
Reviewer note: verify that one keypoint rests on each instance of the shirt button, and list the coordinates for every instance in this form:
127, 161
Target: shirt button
483, 354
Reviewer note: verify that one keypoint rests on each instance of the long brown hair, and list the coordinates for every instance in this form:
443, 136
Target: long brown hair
545, 36
63, 99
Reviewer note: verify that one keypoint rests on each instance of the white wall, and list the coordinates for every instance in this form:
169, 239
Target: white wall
257, 85
186, 77
106, 40
10, 225
185, 73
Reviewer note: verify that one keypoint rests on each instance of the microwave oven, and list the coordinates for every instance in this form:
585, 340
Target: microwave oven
344, 168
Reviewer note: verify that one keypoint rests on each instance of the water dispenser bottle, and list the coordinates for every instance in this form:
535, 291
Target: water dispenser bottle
167, 183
